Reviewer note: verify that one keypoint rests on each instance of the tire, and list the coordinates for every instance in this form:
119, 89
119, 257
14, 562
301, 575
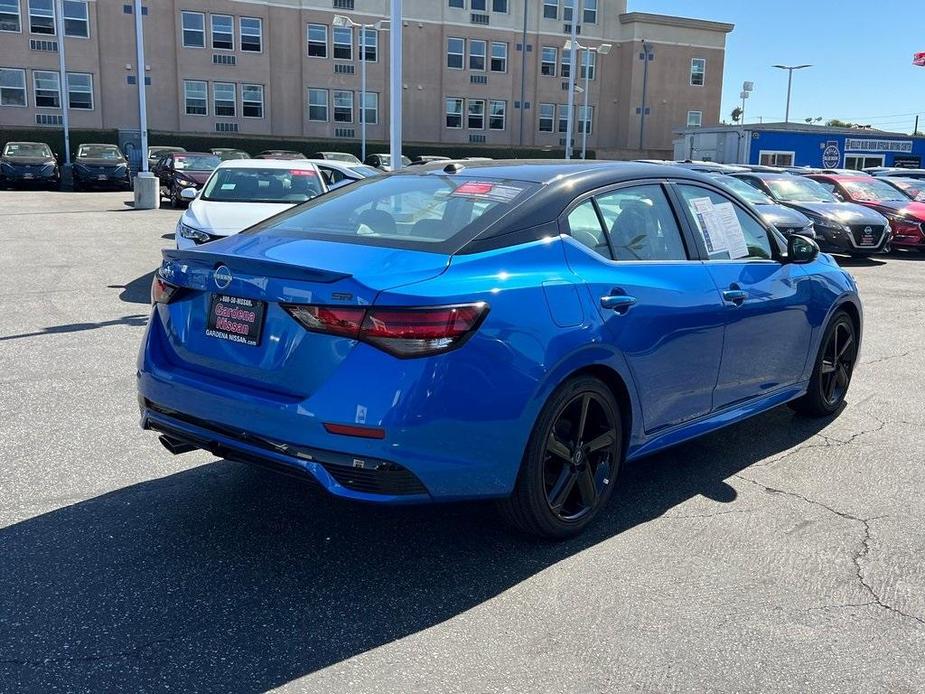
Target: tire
562, 487
833, 369
175, 201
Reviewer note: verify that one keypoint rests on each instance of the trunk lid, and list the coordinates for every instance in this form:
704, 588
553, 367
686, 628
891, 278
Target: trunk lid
274, 268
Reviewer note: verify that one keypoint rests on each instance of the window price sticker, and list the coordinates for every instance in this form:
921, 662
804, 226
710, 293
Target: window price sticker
720, 227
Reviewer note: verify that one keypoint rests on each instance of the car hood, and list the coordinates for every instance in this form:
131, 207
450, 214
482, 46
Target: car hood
843, 212
90, 161
779, 215
28, 161
915, 210
199, 176
226, 218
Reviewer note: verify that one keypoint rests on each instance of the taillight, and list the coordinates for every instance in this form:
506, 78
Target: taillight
162, 292
402, 332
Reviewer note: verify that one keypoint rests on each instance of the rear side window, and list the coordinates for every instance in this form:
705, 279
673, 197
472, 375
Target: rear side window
641, 224
585, 227
432, 213
719, 231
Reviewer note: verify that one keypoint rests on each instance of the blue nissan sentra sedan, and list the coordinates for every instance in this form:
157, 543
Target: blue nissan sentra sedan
508, 330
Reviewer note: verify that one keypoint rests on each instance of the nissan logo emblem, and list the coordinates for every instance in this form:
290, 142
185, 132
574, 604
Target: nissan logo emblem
868, 230
222, 276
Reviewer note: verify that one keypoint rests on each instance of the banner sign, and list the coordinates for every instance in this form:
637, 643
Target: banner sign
919, 59
857, 145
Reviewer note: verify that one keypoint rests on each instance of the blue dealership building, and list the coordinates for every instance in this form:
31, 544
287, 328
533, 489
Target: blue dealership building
794, 144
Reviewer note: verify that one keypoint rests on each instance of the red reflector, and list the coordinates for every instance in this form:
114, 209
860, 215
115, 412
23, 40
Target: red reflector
162, 292
352, 430
473, 189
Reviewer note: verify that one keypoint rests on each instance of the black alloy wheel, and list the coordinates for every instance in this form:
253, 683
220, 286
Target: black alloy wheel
834, 367
571, 462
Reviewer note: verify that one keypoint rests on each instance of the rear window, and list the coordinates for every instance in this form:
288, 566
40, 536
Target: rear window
431, 213
263, 185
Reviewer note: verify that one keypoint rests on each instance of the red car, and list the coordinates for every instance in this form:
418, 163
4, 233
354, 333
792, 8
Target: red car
907, 217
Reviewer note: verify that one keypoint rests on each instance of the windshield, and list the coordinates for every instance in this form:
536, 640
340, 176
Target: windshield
341, 156
417, 212
195, 162
232, 154
161, 151
911, 187
797, 189
99, 152
263, 185
750, 193
26, 149
871, 191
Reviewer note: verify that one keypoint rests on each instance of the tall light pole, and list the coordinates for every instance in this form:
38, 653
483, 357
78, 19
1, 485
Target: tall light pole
647, 56
603, 49
140, 79
396, 89
343, 21
789, 69
63, 90
577, 8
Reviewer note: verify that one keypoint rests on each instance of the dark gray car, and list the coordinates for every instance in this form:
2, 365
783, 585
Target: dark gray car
785, 219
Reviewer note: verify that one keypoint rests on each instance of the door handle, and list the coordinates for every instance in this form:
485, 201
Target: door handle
735, 297
619, 303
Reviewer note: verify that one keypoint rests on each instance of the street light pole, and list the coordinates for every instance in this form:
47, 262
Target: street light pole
584, 108
789, 69
573, 53
363, 92
63, 90
140, 72
396, 88
645, 85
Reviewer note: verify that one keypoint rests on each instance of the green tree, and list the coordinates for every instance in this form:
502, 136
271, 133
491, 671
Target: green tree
736, 114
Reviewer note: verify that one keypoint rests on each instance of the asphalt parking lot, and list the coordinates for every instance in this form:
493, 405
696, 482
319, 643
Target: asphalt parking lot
778, 555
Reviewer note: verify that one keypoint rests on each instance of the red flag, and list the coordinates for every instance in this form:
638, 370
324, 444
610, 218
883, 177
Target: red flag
919, 59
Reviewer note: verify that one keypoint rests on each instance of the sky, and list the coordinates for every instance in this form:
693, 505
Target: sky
861, 52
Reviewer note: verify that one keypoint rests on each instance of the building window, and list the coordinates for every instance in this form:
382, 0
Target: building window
371, 46
343, 106
45, 87
565, 69
371, 112
252, 100
12, 87
318, 105
195, 95
563, 118
694, 119
550, 9
698, 71
194, 29
497, 110
76, 19
567, 10
80, 91
475, 114
343, 43
9, 16
42, 17
588, 64
455, 53
498, 57
224, 99
317, 41
251, 34
454, 112
547, 117
461, 4
548, 59
585, 119
499, 6
222, 32
476, 54
590, 12
478, 5
774, 158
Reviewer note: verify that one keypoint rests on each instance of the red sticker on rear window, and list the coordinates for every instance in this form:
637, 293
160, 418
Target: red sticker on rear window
472, 188
488, 191
302, 172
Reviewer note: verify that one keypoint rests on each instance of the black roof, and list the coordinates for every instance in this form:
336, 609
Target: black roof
581, 174
764, 176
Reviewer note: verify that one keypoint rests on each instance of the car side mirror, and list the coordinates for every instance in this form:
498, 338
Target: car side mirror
189, 194
801, 250
839, 197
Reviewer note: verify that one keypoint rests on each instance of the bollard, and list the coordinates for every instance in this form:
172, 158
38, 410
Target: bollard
146, 191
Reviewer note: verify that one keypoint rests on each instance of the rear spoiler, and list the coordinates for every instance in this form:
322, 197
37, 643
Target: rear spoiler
194, 258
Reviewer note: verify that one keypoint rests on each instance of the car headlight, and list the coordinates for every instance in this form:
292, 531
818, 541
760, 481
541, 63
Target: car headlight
829, 224
6, 166
185, 182
120, 169
190, 233
49, 168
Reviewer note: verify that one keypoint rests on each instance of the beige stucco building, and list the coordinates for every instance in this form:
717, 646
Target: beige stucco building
475, 71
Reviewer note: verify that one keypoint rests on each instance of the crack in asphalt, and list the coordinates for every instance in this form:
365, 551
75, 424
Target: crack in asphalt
887, 358
827, 442
857, 557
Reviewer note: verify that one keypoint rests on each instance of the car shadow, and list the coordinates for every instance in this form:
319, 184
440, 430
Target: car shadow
138, 291
229, 578
912, 255
861, 261
135, 320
